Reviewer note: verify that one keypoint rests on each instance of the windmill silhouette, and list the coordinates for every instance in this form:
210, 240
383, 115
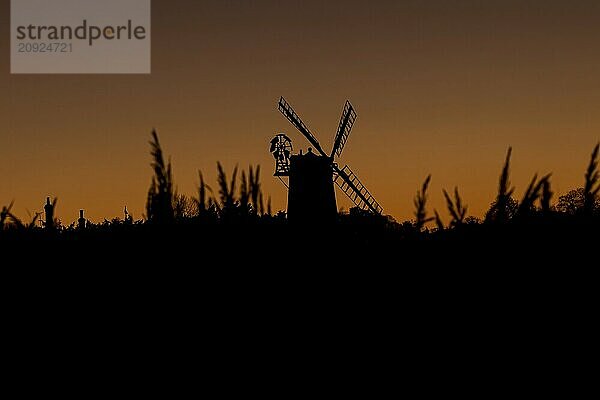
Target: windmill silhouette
311, 195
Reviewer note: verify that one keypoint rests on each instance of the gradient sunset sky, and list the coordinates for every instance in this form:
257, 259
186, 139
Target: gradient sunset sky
440, 87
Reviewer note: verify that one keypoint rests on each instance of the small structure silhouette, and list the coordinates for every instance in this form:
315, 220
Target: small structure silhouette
49, 210
81, 221
281, 148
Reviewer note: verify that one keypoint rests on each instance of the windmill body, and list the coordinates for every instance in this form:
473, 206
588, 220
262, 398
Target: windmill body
311, 195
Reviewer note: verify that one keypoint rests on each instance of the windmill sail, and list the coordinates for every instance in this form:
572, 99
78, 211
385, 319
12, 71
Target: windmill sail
324, 166
291, 115
349, 183
344, 128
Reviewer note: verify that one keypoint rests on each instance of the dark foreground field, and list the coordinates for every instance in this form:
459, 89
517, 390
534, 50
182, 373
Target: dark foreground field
364, 306
359, 242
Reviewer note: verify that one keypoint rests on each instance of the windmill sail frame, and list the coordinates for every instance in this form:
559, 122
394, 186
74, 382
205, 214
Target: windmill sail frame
344, 178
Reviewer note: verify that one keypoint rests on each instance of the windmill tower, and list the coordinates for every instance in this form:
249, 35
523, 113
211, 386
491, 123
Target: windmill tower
311, 195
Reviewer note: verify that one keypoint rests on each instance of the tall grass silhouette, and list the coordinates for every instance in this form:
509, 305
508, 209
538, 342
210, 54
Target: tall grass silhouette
159, 206
456, 208
503, 207
592, 187
532, 194
420, 202
234, 203
238, 202
546, 199
5, 215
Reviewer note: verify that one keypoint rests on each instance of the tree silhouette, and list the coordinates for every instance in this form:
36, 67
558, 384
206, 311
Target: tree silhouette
184, 206
510, 207
573, 202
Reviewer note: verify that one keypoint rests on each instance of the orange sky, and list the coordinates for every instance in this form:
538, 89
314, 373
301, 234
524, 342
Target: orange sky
440, 87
